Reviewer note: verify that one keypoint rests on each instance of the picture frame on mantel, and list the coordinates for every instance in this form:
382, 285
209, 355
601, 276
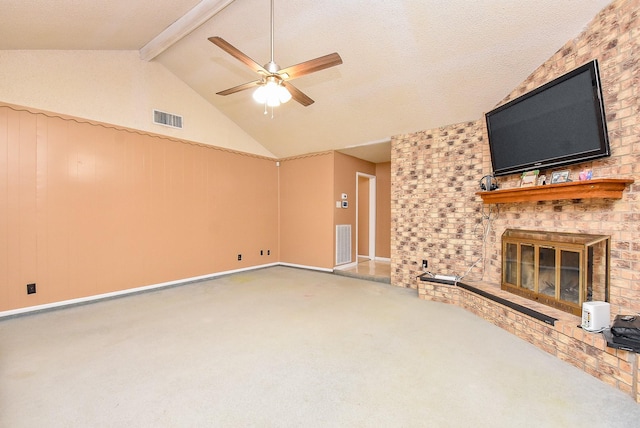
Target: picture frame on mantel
560, 176
529, 178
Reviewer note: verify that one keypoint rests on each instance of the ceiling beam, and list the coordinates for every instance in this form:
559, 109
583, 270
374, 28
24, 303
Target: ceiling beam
184, 25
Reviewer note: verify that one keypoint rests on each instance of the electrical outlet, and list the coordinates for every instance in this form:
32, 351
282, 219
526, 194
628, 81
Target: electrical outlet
31, 288
268, 252
261, 253
425, 264
239, 257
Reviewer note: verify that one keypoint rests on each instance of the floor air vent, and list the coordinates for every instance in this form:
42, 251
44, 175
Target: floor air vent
167, 119
343, 244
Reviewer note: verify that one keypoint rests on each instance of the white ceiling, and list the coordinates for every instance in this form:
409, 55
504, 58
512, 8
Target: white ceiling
408, 65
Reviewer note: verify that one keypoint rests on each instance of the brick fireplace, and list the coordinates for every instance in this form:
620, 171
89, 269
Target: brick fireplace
436, 214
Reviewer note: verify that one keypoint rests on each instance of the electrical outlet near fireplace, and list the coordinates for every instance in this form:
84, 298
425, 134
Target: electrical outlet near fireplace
31, 288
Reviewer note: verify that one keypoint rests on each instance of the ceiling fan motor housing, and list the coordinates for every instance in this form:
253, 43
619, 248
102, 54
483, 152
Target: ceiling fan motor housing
272, 67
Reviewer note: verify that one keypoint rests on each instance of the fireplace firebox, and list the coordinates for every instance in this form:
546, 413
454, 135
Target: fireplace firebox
561, 270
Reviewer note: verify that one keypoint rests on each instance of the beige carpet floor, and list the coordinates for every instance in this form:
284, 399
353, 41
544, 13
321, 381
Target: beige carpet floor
285, 347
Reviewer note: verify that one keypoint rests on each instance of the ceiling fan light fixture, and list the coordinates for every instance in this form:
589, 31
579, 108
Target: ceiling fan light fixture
272, 94
273, 102
283, 94
260, 94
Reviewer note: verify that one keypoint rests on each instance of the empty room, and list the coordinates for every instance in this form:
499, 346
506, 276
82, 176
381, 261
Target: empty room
334, 214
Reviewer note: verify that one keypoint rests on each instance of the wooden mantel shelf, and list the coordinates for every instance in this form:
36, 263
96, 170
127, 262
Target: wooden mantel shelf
610, 188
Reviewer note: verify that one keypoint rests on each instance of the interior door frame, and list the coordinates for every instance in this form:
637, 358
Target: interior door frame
372, 213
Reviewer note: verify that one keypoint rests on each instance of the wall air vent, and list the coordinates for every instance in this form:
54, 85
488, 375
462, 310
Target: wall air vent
167, 119
343, 244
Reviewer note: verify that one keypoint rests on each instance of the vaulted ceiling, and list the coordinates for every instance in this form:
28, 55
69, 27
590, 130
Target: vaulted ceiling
408, 65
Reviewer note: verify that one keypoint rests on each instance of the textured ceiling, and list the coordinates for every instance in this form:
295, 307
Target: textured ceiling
408, 65
86, 24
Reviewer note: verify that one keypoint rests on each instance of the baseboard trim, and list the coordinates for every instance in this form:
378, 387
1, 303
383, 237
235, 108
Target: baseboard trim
293, 265
345, 266
121, 293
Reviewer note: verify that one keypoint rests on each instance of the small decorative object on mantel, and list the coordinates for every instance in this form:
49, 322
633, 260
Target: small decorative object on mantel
585, 174
560, 176
529, 178
542, 180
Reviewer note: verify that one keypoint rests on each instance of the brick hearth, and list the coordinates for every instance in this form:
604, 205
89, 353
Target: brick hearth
565, 340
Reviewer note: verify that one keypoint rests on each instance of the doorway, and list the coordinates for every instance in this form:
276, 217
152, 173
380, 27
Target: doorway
368, 265
365, 216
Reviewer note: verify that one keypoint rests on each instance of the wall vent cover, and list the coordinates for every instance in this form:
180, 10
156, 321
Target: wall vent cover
343, 244
167, 119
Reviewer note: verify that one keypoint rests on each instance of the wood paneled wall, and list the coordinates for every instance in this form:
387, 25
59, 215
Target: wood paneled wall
87, 209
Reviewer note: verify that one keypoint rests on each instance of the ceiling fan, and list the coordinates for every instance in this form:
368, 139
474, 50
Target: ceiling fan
273, 85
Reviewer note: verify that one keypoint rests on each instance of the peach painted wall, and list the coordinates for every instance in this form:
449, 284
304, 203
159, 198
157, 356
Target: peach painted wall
87, 209
306, 211
310, 186
383, 209
345, 168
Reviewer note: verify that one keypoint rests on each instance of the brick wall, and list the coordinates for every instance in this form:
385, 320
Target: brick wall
437, 216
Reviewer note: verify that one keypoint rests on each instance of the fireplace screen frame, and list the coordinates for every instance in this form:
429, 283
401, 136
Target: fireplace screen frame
559, 269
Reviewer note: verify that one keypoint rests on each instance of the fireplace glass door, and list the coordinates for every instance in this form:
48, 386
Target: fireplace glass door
561, 270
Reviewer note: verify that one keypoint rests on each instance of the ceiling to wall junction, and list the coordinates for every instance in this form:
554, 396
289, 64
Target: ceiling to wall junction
407, 65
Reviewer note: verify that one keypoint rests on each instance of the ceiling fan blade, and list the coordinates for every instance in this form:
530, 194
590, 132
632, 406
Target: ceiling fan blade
231, 50
239, 88
298, 95
311, 66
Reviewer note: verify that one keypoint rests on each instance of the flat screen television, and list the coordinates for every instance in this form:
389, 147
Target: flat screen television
560, 123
